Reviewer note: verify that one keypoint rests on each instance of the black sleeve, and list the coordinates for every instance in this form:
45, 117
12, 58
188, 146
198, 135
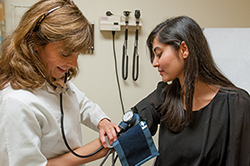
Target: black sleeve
149, 107
239, 142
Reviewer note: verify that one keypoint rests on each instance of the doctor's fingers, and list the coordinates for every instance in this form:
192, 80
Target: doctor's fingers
110, 133
102, 137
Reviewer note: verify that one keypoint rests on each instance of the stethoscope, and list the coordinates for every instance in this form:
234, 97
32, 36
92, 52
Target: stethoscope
62, 127
128, 119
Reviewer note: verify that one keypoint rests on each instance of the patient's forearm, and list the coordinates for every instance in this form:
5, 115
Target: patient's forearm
70, 159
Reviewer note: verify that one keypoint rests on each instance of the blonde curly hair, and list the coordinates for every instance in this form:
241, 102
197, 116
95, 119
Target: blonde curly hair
47, 21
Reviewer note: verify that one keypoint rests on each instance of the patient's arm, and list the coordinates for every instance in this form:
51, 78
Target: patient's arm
69, 159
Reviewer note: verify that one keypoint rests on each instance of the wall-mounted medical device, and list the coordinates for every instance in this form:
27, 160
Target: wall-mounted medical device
112, 22
125, 23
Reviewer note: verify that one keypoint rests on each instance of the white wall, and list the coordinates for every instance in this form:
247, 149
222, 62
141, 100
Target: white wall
97, 77
231, 51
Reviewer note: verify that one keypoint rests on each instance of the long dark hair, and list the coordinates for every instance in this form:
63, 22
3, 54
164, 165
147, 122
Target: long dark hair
198, 66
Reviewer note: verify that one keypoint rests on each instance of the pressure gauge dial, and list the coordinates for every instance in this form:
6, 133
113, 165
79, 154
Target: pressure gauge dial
128, 116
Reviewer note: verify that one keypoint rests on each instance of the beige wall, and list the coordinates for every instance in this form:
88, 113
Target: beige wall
97, 77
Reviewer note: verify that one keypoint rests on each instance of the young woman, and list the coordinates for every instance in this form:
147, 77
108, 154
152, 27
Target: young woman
37, 62
204, 118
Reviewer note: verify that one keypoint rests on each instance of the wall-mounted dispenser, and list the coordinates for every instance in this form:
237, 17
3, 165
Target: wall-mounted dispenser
110, 23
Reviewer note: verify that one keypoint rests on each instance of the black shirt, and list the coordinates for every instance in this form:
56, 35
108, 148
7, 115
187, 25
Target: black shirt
218, 135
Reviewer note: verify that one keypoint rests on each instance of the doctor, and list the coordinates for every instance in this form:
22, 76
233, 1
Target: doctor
35, 60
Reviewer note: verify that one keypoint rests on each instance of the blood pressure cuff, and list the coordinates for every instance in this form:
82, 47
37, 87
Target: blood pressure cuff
135, 146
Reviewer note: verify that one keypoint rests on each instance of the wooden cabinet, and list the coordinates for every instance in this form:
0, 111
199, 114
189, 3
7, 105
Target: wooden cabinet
2, 22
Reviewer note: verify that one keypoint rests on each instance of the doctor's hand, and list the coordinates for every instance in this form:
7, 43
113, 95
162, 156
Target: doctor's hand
106, 128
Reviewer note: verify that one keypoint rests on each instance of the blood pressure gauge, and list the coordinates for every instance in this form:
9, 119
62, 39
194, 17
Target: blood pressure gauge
128, 117
131, 118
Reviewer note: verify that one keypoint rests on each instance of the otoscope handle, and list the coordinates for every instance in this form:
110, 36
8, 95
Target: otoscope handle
135, 69
126, 34
136, 35
124, 66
